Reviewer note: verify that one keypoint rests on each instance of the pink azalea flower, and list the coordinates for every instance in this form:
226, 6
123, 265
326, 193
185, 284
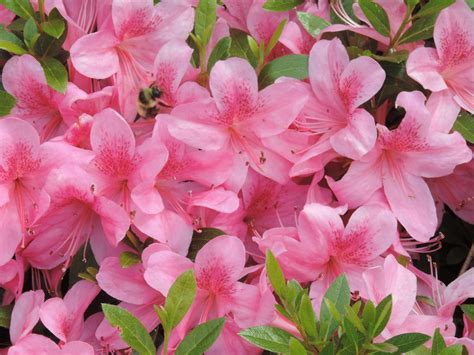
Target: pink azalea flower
321, 247
65, 317
239, 118
22, 198
36, 102
25, 314
398, 164
332, 114
449, 65
11, 280
77, 214
127, 45
219, 291
6, 16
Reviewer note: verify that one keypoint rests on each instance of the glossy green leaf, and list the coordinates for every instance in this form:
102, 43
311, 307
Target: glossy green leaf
296, 348
275, 37
127, 259
180, 298
455, 349
420, 30
340, 295
221, 51
468, 310
433, 7
200, 238
268, 338
7, 102
307, 317
313, 24
328, 349
352, 316
56, 74
376, 15
275, 275
240, 47
281, 5
465, 125
205, 20
30, 33
293, 65
382, 315
11, 43
421, 350
22, 8
5, 316
131, 329
385, 348
55, 25
408, 341
368, 315
438, 343
201, 338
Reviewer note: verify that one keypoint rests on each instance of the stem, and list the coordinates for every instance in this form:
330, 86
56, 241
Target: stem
166, 341
468, 260
396, 38
41, 10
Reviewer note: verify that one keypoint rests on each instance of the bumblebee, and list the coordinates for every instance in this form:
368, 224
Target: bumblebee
148, 102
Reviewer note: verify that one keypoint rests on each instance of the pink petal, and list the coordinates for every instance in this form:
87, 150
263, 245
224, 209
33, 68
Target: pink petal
34, 344
54, 316
163, 268
147, 197
125, 284
12, 234
411, 201
25, 314
217, 199
170, 65
355, 86
233, 84
278, 106
262, 23
370, 231
211, 257
423, 65
457, 292
444, 111
95, 55
114, 219
357, 138
132, 18
316, 224
77, 348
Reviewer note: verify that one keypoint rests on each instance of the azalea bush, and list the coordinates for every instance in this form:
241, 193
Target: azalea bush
236, 176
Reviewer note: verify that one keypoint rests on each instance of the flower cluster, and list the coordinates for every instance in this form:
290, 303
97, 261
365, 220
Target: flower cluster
149, 138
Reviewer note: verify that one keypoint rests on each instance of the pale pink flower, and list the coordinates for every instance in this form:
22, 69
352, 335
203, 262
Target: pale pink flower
332, 115
398, 164
239, 118
127, 45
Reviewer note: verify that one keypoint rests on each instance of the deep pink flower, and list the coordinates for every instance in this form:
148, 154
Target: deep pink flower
400, 161
449, 65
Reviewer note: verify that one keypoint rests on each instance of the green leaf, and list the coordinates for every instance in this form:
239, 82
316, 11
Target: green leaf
281, 5
30, 33
347, 6
293, 65
408, 341
240, 47
433, 7
131, 329
201, 338
161, 313
56, 74
200, 238
351, 316
377, 16
275, 275
268, 338
5, 316
47, 46
7, 102
411, 4
22, 8
421, 350
328, 349
420, 30
396, 57
396, 81
275, 37
382, 347
55, 25
470, 3
307, 317
293, 294
11, 43
468, 310
383, 312
205, 21
180, 298
127, 259
340, 295
438, 343
455, 349
465, 125
313, 24
220, 52
296, 348
368, 315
